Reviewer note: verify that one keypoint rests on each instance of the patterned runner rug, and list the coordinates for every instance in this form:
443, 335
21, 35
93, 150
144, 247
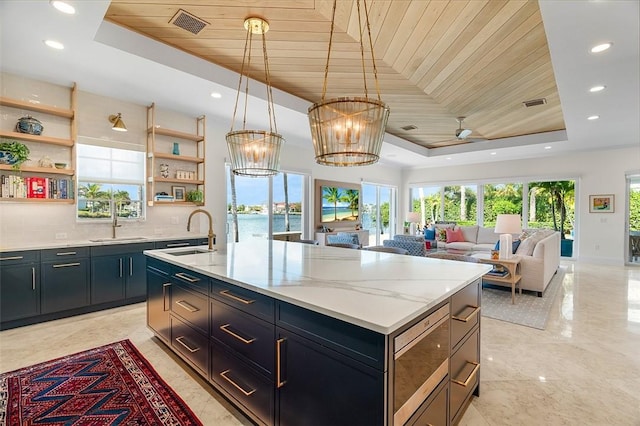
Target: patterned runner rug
109, 385
529, 310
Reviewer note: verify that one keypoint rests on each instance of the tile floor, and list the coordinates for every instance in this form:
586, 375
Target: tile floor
584, 369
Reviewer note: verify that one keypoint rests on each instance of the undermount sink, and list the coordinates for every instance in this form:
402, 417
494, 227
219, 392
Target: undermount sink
104, 240
188, 252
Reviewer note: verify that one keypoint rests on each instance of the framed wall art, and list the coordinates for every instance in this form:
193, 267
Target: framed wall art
601, 203
178, 193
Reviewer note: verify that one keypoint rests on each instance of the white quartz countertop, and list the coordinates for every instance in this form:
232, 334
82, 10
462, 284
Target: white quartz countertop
26, 245
378, 291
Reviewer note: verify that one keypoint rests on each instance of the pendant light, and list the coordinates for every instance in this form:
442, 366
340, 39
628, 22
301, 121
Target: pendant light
254, 153
348, 131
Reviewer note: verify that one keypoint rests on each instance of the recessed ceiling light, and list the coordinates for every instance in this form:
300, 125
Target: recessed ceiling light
54, 44
216, 95
547, 147
63, 7
493, 153
593, 117
448, 158
601, 47
597, 88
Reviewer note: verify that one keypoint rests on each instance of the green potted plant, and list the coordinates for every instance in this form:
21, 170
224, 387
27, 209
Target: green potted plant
13, 152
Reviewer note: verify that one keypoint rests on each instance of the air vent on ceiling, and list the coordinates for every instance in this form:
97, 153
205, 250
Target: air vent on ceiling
187, 21
534, 102
409, 127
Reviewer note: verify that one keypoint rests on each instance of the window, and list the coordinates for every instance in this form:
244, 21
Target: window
460, 204
502, 198
110, 181
275, 207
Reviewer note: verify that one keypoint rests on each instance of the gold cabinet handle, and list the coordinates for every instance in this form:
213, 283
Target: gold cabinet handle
185, 305
225, 328
472, 374
164, 296
66, 253
237, 386
234, 297
468, 317
12, 258
187, 277
190, 349
66, 265
279, 382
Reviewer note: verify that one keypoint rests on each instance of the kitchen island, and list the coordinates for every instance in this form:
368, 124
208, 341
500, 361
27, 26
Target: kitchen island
300, 334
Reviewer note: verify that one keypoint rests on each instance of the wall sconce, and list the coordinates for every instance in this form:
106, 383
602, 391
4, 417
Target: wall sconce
118, 124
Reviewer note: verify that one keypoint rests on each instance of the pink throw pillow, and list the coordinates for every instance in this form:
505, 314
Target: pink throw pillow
454, 235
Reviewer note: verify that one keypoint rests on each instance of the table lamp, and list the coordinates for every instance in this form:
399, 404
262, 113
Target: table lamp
413, 218
507, 224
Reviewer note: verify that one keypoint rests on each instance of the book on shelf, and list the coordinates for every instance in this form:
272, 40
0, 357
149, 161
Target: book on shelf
498, 273
12, 186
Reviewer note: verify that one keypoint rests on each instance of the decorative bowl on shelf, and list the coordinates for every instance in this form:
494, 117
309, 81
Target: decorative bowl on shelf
7, 158
60, 165
30, 125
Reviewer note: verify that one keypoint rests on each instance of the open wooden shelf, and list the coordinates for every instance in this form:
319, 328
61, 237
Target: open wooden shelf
174, 203
16, 103
36, 138
173, 180
45, 170
41, 200
175, 134
177, 157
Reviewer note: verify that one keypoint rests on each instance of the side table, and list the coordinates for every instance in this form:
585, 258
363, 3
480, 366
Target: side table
513, 277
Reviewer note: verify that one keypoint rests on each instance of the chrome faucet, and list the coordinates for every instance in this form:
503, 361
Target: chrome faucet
211, 235
114, 224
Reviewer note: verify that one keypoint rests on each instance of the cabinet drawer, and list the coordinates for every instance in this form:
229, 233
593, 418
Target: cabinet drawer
178, 243
191, 344
465, 312
359, 343
434, 410
15, 257
190, 306
249, 388
192, 280
158, 266
465, 370
248, 301
120, 249
64, 254
251, 337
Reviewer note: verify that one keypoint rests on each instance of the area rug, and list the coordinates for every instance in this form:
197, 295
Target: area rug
529, 309
109, 385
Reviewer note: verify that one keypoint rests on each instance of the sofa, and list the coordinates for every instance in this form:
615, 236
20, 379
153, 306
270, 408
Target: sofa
414, 245
539, 250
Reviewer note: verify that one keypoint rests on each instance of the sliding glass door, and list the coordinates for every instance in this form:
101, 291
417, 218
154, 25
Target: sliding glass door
379, 212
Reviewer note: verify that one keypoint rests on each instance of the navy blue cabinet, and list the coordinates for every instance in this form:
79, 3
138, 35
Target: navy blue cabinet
159, 298
65, 279
118, 272
19, 285
180, 243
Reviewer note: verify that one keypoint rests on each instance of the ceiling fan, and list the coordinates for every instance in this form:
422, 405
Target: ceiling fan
461, 136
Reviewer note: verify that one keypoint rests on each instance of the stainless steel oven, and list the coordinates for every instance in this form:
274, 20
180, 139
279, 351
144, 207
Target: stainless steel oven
421, 361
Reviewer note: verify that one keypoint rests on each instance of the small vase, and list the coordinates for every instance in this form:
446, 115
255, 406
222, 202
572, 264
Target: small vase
176, 148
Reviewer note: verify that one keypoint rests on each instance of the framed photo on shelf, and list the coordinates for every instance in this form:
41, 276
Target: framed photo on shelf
178, 193
602, 203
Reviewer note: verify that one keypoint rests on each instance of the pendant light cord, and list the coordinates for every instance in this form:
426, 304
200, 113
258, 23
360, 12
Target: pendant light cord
360, 31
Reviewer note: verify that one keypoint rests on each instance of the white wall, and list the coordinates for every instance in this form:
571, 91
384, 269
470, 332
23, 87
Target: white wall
600, 237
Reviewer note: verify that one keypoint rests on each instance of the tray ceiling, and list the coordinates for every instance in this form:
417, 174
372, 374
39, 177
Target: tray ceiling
436, 60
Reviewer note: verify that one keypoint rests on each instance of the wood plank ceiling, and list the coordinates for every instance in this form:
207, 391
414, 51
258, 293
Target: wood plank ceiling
436, 60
